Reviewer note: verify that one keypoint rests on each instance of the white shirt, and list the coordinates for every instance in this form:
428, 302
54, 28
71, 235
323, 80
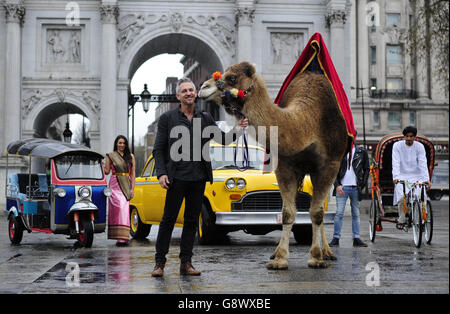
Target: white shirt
409, 163
349, 177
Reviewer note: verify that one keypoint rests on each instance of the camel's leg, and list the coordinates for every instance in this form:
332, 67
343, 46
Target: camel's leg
326, 250
322, 182
287, 182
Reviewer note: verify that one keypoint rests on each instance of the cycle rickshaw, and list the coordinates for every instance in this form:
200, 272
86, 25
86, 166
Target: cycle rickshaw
419, 214
63, 191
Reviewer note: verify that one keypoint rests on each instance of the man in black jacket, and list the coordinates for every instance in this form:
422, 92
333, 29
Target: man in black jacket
349, 183
183, 171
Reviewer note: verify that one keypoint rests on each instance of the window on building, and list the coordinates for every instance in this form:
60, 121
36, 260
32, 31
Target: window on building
394, 54
393, 19
412, 118
376, 119
373, 54
394, 120
394, 83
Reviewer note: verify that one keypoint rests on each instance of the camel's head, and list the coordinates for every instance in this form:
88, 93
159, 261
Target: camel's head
230, 89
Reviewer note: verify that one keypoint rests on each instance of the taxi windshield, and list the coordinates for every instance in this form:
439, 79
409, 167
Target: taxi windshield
78, 167
223, 158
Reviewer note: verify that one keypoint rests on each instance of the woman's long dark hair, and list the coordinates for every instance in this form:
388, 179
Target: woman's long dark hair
126, 152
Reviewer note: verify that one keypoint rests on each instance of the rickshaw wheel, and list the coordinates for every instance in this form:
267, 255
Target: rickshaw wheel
15, 230
428, 224
86, 235
373, 217
417, 223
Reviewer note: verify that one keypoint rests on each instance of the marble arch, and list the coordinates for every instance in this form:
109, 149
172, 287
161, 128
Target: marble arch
93, 57
193, 44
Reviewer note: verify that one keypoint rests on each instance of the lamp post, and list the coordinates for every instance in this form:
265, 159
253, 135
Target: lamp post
362, 106
144, 98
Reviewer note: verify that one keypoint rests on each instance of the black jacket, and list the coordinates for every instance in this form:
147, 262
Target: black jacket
164, 165
360, 166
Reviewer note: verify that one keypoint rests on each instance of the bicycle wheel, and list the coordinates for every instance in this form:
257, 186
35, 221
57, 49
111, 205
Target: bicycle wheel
428, 223
416, 216
373, 219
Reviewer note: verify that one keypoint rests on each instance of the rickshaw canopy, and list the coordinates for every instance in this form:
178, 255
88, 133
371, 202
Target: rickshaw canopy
383, 157
47, 148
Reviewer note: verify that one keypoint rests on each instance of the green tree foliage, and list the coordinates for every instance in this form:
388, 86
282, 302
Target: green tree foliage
429, 34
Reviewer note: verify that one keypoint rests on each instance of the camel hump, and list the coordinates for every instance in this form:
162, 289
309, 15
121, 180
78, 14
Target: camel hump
310, 89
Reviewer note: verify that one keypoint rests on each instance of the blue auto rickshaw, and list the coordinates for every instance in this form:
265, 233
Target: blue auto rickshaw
64, 191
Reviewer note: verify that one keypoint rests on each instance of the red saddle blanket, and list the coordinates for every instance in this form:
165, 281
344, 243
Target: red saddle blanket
316, 49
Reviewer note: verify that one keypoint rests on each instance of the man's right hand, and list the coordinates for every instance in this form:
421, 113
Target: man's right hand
340, 190
395, 181
164, 181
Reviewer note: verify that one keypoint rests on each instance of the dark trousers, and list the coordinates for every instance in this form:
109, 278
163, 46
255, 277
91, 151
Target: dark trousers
192, 192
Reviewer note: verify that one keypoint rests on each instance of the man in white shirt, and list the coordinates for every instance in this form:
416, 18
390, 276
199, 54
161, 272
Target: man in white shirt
351, 179
409, 163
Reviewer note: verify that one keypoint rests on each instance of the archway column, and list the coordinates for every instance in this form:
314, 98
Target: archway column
109, 13
15, 13
244, 18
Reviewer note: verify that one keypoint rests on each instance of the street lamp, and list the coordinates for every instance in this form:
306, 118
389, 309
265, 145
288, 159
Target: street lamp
67, 134
144, 98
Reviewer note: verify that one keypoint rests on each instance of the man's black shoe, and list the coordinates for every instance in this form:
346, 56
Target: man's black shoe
358, 242
334, 242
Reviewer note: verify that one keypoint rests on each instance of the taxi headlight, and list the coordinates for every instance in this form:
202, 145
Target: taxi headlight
230, 184
60, 192
107, 192
240, 183
84, 192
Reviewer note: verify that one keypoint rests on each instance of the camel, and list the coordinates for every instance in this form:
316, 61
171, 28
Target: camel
312, 139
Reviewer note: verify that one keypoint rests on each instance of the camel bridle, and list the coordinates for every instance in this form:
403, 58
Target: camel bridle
226, 96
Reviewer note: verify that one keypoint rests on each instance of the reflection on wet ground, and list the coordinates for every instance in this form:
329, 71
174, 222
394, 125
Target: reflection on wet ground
51, 264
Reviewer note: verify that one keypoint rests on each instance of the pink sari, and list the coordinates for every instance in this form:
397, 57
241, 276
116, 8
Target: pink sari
118, 211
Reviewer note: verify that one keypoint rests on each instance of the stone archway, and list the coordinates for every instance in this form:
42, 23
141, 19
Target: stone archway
54, 104
177, 43
193, 42
49, 114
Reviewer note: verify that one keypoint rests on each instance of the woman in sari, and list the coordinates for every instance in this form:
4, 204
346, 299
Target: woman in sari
121, 164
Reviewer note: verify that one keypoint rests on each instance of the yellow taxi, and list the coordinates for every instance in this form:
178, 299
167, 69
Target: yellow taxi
247, 200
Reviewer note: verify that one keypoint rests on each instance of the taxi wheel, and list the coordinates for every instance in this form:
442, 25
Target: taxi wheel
15, 230
303, 234
205, 227
138, 229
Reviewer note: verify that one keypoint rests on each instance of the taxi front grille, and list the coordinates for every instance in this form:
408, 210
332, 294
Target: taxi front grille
269, 201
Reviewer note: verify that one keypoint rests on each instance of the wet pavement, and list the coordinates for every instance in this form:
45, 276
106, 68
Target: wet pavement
45, 263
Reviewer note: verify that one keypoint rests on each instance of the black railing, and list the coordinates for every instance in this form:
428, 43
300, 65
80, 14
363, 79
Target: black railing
393, 93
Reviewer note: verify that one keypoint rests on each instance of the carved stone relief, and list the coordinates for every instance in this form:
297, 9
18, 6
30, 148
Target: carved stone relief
132, 25
220, 26
33, 97
63, 45
176, 21
286, 47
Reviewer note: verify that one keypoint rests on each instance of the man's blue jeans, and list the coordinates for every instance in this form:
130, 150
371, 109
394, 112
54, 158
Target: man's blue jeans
352, 193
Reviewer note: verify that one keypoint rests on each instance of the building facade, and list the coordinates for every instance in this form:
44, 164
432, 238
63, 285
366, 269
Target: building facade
59, 56
390, 91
